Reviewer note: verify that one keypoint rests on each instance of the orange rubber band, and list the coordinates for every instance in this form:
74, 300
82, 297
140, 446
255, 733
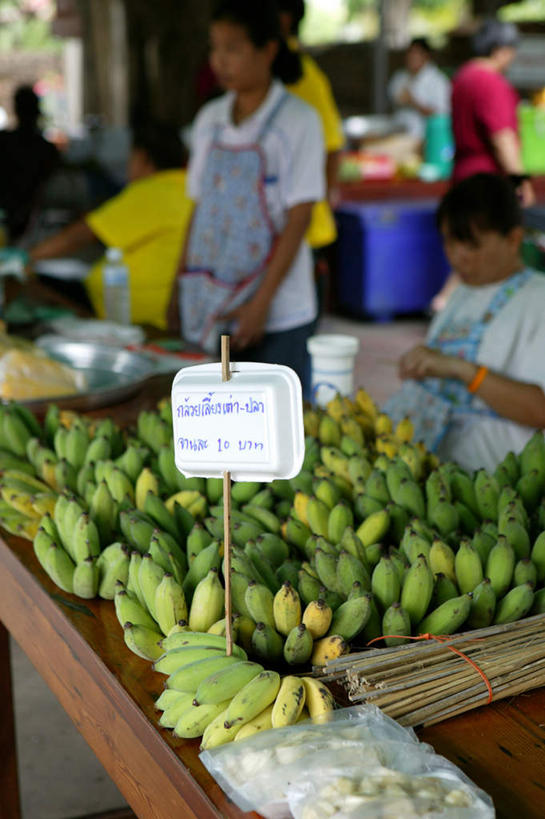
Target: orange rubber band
477, 380
443, 639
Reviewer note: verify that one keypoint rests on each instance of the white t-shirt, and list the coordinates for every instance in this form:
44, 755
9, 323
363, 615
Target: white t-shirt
294, 154
513, 345
429, 87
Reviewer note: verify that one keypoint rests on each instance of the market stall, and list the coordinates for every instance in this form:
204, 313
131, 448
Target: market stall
79, 648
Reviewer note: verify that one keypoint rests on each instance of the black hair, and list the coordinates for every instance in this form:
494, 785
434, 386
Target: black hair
27, 105
421, 42
262, 24
297, 10
484, 202
162, 143
494, 34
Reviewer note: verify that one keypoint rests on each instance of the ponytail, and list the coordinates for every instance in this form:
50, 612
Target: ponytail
262, 24
287, 64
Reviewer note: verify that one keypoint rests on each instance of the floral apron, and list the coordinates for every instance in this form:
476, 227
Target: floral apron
434, 403
231, 239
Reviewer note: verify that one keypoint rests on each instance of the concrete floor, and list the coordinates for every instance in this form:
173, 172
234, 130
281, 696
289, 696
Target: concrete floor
60, 777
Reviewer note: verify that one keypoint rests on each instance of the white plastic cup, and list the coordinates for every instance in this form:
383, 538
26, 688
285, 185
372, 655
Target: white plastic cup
332, 362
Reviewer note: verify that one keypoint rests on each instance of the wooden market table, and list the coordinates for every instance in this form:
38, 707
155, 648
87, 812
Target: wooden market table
78, 648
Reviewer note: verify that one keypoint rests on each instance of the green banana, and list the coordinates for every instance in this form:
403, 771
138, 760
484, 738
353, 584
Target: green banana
351, 617
266, 643
326, 569
500, 566
263, 517
207, 604
350, 569
110, 572
483, 543
444, 589
340, 517
308, 587
85, 578
196, 719
413, 544
252, 699
483, 605
85, 541
273, 548
417, 589
385, 583
60, 567
171, 714
170, 603
150, 575
517, 536
396, 621
226, 683
538, 556
259, 602
156, 510
244, 491
468, 567
448, 618
298, 646
515, 605
444, 516
374, 528
525, 572
179, 658
142, 641
129, 610
487, 493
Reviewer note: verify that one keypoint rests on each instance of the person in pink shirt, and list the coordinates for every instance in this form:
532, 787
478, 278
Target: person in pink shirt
484, 110
484, 121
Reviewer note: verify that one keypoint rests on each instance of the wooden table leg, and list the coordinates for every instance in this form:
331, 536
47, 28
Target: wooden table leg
10, 805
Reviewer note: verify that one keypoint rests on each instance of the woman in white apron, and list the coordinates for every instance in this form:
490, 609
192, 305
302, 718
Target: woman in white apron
256, 169
475, 391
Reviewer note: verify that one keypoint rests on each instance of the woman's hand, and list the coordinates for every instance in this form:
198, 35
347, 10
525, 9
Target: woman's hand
423, 362
249, 320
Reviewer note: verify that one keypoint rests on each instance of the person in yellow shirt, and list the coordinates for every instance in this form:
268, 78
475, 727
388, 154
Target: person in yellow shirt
148, 221
315, 89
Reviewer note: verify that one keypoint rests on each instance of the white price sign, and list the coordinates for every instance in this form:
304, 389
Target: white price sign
251, 425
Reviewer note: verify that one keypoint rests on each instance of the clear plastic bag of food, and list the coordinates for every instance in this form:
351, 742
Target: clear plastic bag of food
256, 772
282, 771
442, 792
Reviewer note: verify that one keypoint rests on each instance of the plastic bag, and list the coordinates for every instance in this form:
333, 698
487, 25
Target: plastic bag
280, 773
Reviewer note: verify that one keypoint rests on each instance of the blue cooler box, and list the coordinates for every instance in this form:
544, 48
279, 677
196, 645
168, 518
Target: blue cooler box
390, 257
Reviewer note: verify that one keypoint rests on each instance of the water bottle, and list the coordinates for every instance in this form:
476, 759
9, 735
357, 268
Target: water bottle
115, 278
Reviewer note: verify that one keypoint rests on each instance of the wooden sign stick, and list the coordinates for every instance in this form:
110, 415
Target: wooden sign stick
226, 376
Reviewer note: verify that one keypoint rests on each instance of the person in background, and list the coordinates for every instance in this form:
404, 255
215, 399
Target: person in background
314, 88
484, 120
27, 160
419, 90
475, 390
147, 221
484, 110
256, 170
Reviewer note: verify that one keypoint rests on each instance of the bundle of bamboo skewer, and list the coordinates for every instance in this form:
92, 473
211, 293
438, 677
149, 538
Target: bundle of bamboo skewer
421, 683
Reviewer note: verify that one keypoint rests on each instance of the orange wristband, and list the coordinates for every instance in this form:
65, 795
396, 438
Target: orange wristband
477, 379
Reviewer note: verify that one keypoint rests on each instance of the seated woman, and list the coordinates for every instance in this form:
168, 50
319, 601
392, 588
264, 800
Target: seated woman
475, 390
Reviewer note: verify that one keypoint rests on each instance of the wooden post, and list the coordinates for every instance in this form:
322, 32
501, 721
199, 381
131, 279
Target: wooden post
226, 376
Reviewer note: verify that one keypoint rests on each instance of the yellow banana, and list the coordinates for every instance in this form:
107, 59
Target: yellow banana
318, 698
289, 702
